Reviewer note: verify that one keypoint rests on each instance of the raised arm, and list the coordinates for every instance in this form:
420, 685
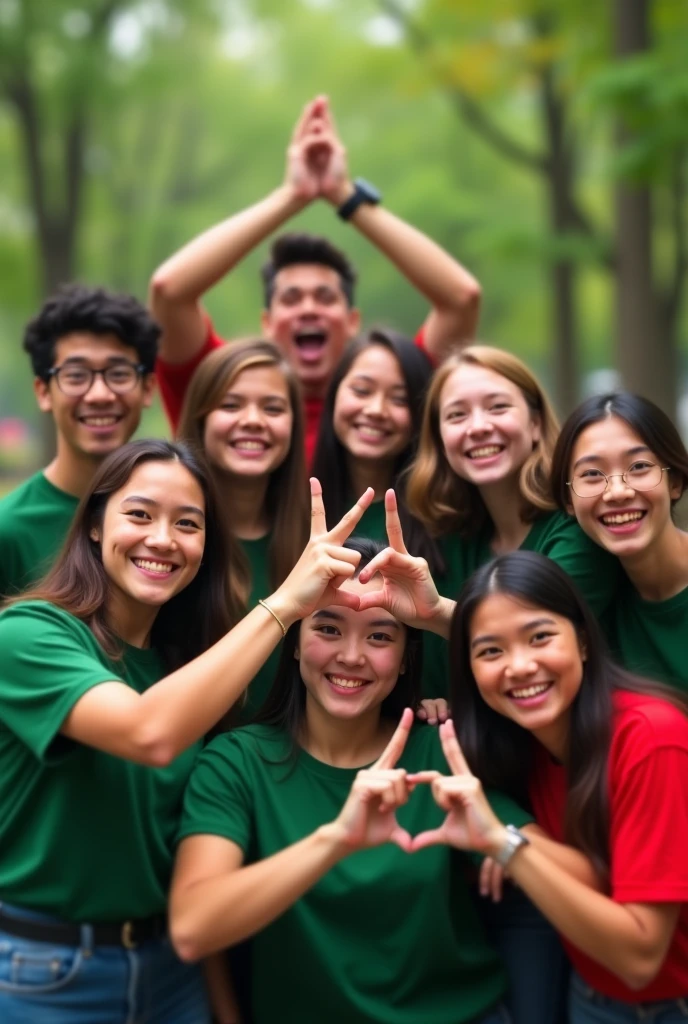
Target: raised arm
178, 286
452, 291
156, 726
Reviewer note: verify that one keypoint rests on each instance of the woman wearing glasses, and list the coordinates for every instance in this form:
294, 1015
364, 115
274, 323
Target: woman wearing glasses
620, 466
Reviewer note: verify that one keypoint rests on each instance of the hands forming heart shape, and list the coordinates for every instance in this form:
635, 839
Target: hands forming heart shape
368, 817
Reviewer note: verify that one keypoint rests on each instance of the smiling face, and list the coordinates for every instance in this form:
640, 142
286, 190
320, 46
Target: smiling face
152, 536
528, 665
371, 414
310, 320
250, 433
623, 519
487, 428
98, 422
350, 660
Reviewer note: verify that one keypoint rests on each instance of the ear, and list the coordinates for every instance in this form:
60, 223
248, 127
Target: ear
402, 668
583, 646
266, 323
94, 534
675, 485
354, 321
148, 389
41, 390
536, 420
297, 654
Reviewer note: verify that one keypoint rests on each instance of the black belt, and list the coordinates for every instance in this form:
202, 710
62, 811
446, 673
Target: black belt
125, 933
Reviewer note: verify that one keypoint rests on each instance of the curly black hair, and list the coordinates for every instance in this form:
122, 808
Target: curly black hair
76, 307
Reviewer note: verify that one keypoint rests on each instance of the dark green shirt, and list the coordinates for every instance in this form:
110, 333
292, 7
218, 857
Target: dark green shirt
257, 552
649, 637
84, 835
595, 572
384, 937
34, 521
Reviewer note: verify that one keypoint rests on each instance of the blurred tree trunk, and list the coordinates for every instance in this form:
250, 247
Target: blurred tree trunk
644, 340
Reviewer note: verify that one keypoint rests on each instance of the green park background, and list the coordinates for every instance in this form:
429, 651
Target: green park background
545, 144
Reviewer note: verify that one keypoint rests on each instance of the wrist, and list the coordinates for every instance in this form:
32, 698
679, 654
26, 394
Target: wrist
281, 609
340, 193
289, 199
333, 838
505, 843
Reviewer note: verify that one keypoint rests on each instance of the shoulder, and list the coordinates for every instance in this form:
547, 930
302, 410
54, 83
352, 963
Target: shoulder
40, 615
644, 724
556, 527
250, 744
18, 497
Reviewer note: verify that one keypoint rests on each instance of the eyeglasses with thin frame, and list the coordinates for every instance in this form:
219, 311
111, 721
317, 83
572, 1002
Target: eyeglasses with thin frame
76, 380
641, 476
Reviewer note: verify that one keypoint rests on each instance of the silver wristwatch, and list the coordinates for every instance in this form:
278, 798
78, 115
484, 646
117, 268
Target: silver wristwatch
513, 841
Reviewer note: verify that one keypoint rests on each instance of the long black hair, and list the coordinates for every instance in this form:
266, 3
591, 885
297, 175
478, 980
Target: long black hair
498, 750
330, 459
286, 702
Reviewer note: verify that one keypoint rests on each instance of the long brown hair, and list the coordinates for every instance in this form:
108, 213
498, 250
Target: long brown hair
287, 500
441, 499
499, 751
189, 622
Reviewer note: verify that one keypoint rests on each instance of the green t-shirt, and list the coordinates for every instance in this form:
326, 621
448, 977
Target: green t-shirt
595, 572
649, 637
372, 523
34, 521
84, 835
257, 552
384, 936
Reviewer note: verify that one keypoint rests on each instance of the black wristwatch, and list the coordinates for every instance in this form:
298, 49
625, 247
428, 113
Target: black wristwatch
363, 192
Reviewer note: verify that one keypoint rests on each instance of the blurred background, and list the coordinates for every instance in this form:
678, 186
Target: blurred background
545, 144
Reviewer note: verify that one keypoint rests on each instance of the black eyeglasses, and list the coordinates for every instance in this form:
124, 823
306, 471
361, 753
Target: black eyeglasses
75, 380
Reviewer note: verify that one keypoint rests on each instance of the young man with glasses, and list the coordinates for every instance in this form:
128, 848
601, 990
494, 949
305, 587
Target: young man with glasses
92, 354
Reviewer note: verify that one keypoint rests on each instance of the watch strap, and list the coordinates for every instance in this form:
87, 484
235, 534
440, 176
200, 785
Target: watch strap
363, 192
513, 841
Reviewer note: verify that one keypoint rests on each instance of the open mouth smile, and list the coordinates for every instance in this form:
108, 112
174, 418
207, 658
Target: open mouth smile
486, 451
528, 695
349, 684
153, 567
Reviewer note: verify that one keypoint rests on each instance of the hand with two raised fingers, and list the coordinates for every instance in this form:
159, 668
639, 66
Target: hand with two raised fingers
324, 564
470, 824
369, 816
408, 590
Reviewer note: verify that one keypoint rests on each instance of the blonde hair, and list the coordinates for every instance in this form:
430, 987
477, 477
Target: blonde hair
287, 500
441, 499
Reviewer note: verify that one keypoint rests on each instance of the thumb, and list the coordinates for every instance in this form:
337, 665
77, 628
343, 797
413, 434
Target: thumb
433, 837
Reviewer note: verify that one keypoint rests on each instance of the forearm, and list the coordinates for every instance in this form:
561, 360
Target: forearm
569, 859
440, 622
608, 932
187, 275
220, 911
183, 706
218, 979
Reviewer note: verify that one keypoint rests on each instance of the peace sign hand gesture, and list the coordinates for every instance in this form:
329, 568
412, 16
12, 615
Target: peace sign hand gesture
470, 823
368, 818
408, 591
324, 563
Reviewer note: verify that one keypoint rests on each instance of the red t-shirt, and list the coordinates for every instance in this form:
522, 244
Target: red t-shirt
648, 801
174, 379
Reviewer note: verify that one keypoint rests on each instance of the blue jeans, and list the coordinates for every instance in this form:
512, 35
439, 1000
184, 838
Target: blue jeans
88, 984
536, 966
586, 1006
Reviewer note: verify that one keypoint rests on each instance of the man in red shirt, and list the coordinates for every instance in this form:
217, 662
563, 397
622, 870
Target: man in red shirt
309, 307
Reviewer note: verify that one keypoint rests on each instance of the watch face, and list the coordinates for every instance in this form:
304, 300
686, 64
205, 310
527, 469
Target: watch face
367, 191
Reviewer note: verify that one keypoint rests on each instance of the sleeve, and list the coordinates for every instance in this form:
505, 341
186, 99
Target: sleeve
649, 833
218, 799
45, 667
419, 341
174, 378
595, 572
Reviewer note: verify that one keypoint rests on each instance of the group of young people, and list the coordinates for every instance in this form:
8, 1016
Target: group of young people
411, 741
